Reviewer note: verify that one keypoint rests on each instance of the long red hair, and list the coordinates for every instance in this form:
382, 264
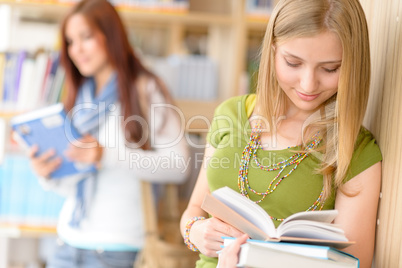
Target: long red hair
104, 19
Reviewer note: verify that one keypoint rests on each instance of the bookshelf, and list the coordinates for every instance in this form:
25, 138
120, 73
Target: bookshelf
226, 27
226, 32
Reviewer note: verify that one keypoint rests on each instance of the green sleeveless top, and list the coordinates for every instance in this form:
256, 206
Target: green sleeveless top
229, 134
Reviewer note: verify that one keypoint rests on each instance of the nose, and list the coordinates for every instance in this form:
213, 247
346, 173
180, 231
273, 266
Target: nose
308, 81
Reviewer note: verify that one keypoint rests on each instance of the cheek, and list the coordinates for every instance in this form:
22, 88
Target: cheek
98, 49
93, 46
284, 75
331, 83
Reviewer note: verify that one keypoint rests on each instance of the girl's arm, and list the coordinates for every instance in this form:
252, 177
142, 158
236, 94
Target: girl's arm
206, 234
358, 213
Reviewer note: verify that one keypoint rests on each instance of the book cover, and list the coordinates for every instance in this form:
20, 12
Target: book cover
313, 227
50, 128
261, 254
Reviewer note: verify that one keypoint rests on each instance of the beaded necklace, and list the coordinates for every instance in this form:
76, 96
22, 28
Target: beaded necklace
251, 151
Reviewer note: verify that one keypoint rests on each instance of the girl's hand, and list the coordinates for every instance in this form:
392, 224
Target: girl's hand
44, 164
207, 235
85, 150
229, 256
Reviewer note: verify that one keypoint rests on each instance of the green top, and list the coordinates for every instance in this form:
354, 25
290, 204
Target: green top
229, 134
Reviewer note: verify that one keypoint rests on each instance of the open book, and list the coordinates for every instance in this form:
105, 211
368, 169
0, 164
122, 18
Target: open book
313, 227
50, 128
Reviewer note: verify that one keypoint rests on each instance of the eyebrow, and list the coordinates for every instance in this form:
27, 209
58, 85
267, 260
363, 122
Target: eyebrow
323, 62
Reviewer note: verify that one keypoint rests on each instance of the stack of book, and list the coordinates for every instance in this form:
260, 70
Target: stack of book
265, 254
305, 239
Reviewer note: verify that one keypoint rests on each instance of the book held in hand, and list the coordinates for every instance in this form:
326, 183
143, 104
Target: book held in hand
309, 227
262, 254
50, 128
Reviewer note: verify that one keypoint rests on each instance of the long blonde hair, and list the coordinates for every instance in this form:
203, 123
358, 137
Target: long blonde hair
340, 124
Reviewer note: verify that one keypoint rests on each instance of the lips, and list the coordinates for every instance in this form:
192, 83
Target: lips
307, 97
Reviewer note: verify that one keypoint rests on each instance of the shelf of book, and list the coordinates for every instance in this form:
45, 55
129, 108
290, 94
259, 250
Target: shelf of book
225, 32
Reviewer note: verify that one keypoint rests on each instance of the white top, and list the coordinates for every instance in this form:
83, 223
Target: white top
115, 216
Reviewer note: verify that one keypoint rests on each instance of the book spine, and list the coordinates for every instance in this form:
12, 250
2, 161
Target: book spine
17, 77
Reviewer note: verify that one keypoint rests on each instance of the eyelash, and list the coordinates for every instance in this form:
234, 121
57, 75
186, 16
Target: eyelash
331, 70
297, 65
292, 64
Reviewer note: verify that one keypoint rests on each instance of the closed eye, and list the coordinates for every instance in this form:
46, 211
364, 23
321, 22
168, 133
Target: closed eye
331, 70
292, 64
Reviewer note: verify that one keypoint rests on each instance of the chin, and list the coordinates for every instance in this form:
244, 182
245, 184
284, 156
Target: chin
86, 73
308, 107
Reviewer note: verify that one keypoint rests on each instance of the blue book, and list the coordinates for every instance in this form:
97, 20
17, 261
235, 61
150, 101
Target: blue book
261, 254
50, 128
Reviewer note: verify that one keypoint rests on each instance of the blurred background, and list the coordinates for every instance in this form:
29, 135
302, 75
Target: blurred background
206, 51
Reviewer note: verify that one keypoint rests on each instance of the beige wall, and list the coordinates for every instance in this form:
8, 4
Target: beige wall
384, 119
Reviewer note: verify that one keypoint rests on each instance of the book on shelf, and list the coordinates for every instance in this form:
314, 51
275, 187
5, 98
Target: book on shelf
29, 81
50, 128
262, 254
189, 77
309, 227
23, 202
259, 8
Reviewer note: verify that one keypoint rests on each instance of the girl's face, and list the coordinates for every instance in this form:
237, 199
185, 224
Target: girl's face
86, 47
307, 70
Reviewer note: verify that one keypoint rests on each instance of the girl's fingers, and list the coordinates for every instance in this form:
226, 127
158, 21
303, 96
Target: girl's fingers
52, 165
45, 156
32, 151
228, 258
47, 168
44, 164
241, 239
226, 229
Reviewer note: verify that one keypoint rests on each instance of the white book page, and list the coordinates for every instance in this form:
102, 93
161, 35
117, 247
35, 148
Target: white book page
335, 228
305, 229
246, 208
319, 216
38, 113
